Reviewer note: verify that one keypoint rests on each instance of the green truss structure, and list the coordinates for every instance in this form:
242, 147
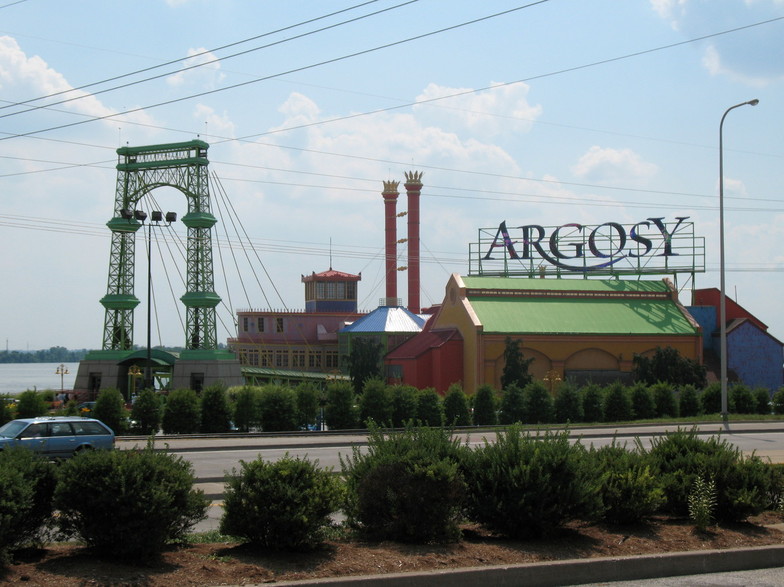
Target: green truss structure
140, 170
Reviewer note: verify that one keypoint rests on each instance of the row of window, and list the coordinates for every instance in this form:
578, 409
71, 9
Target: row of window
339, 290
289, 359
260, 323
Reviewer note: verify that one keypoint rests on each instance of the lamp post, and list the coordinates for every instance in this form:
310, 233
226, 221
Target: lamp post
156, 216
722, 300
62, 370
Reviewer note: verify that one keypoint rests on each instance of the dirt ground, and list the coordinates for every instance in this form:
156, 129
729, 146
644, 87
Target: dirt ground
234, 564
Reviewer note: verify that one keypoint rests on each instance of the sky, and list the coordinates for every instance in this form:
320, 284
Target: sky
548, 113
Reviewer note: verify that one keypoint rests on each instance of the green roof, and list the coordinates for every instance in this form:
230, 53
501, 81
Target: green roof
551, 314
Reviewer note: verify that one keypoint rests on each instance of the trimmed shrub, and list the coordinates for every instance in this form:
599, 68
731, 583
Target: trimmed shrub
110, 409
568, 407
6, 412
181, 413
128, 504
215, 409
742, 399
278, 408
629, 490
285, 505
538, 404
30, 404
406, 486
512, 405
308, 406
778, 402
592, 403
617, 405
710, 399
375, 403
340, 411
147, 412
744, 485
523, 486
430, 409
403, 405
643, 406
456, 407
664, 400
688, 402
26, 486
762, 401
246, 408
485, 406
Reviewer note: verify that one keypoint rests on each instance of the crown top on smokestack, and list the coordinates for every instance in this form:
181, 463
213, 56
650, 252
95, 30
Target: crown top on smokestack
413, 177
390, 187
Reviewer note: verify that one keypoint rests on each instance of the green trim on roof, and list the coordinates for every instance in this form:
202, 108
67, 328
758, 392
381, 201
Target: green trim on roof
595, 285
581, 316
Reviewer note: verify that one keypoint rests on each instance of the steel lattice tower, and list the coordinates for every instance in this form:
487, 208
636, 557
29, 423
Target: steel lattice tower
139, 171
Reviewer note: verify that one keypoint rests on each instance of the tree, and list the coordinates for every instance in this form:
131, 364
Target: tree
485, 406
246, 408
404, 401
515, 366
340, 411
688, 402
592, 403
664, 398
512, 405
456, 407
215, 409
568, 407
30, 404
278, 408
181, 414
617, 403
667, 365
538, 404
110, 409
307, 404
375, 403
430, 409
364, 362
643, 406
147, 412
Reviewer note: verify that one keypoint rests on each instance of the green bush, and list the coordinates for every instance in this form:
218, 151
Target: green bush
6, 412
456, 407
246, 408
744, 485
762, 401
664, 400
512, 408
403, 405
630, 492
340, 411
406, 486
523, 486
181, 413
778, 402
430, 409
110, 409
592, 403
688, 402
147, 412
568, 407
278, 408
30, 404
215, 409
284, 505
538, 404
485, 406
742, 399
375, 403
617, 405
128, 504
26, 486
308, 404
710, 399
643, 406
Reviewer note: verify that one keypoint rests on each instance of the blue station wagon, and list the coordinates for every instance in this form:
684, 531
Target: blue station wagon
57, 437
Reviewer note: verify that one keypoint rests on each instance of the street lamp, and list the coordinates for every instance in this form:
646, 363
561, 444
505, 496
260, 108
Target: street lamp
62, 370
722, 300
156, 217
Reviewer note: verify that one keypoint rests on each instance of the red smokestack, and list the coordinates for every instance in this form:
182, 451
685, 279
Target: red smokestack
390, 194
413, 188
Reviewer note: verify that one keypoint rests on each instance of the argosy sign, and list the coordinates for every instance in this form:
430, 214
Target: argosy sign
596, 247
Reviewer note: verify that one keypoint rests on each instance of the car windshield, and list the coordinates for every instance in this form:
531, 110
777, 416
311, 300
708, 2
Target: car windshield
12, 429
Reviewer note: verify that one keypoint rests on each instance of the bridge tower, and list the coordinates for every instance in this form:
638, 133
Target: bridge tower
183, 166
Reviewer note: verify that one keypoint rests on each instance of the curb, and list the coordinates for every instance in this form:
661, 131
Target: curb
574, 572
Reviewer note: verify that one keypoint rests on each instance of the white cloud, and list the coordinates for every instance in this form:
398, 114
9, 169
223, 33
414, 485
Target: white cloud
214, 124
201, 68
503, 109
614, 166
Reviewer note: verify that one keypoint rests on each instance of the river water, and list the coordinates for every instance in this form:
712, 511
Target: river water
18, 377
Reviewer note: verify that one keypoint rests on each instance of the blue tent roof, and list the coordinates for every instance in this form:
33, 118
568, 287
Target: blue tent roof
387, 319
